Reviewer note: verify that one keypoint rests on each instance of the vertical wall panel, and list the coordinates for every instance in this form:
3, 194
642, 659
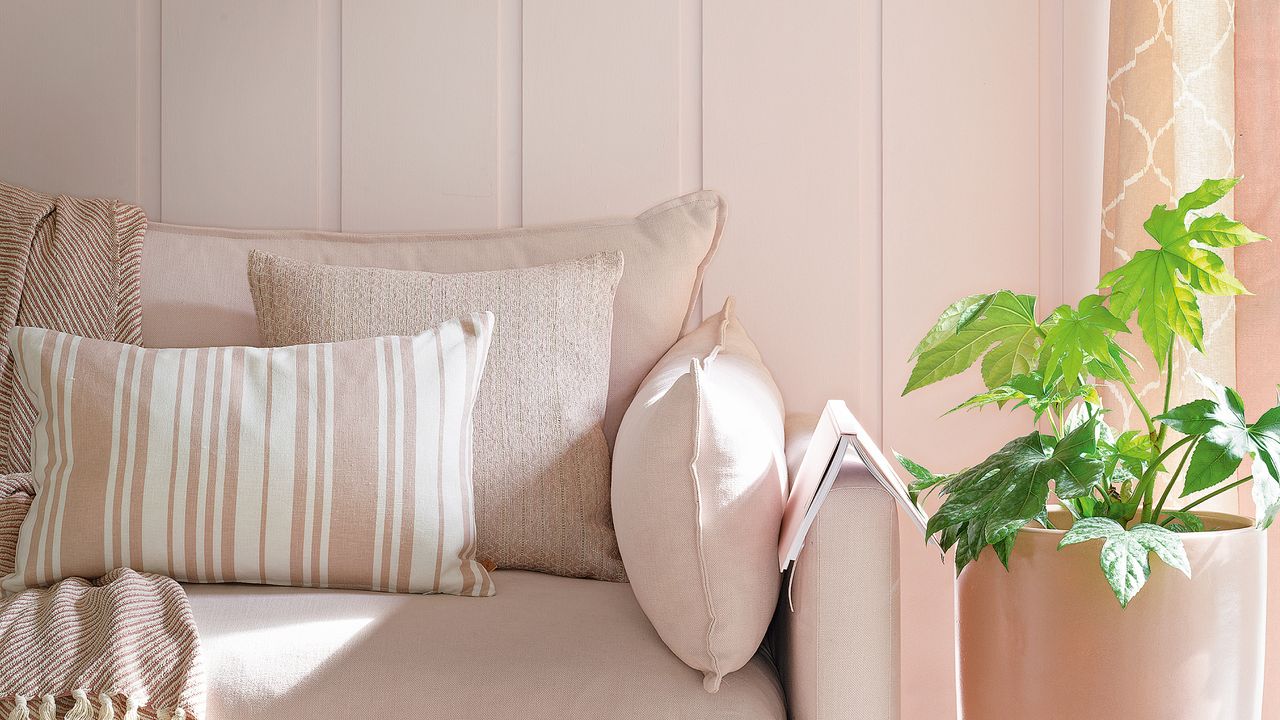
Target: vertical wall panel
1085, 29
961, 200
419, 151
785, 154
601, 107
240, 103
69, 96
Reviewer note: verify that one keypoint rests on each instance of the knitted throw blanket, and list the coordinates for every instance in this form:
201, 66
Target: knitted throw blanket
123, 646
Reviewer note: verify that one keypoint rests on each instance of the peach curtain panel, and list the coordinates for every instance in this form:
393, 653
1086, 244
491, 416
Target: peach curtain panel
1193, 92
1257, 105
1170, 124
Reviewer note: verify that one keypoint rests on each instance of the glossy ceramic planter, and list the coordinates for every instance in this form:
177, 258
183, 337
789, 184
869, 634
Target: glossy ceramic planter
1048, 639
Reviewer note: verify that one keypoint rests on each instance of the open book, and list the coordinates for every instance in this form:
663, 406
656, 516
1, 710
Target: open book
839, 444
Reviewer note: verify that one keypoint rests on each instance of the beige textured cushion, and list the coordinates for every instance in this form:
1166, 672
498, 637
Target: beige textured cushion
194, 291
541, 460
699, 477
344, 465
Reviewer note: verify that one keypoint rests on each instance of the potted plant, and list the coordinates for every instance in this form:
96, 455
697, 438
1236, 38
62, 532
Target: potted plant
1062, 629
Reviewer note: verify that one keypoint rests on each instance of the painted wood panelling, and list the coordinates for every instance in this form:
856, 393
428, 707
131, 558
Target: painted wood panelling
786, 156
420, 114
879, 158
962, 200
601, 107
240, 113
69, 96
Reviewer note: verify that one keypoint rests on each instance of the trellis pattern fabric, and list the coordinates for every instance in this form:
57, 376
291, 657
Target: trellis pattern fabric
1170, 124
338, 465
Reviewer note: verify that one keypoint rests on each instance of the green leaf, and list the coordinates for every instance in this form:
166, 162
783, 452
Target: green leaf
1220, 231
1265, 433
1181, 521
988, 503
1125, 565
1092, 528
1005, 331
1215, 458
1193, 418
924, 478
1226, 439
954, 317
1030, 390
1075, 336
1161, 283
1165, 543
1124, 553
1075, 466
1209, 192
1150, 284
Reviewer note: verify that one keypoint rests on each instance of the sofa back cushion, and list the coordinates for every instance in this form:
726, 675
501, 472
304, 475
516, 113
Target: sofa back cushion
338, 465
699, 479
195, 294
541, 460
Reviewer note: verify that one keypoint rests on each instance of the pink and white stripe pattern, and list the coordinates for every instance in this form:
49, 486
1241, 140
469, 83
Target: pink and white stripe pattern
330, 465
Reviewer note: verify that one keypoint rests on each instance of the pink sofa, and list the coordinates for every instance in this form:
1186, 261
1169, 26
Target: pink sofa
545, 646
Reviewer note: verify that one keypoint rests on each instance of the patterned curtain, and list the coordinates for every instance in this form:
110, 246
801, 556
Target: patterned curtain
1258, 205
1170, 124
1194, 92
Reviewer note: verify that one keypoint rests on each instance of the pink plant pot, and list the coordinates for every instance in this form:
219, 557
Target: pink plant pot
1049, 640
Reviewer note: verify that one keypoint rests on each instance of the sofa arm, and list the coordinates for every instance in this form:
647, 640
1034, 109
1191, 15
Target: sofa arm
836, 635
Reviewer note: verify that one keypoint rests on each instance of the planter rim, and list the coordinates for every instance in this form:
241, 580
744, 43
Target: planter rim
1230, 518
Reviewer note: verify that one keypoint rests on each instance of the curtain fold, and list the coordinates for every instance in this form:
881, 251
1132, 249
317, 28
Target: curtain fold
1194, 92
1257, 105
1170, 124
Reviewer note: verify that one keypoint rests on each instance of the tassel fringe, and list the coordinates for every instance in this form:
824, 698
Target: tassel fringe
83, 709
19, 711
106, 708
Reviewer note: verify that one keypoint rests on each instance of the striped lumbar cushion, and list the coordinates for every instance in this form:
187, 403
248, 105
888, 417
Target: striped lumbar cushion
333, 465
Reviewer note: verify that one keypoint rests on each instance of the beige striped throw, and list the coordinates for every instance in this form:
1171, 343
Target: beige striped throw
331, 465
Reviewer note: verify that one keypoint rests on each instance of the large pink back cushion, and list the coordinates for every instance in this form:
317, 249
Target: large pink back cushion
195, 290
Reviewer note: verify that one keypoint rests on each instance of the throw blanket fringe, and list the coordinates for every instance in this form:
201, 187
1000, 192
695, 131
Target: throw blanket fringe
82, 708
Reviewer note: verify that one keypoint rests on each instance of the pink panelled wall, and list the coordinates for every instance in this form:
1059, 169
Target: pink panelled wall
880, 158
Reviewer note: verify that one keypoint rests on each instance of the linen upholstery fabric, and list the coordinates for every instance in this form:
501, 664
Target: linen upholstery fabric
545, 648
541, 460
338, 465
699, 481
194, 290
66, 263
837, 634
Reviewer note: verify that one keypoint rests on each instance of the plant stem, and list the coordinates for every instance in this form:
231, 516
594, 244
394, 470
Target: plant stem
1173, 479
1168, 378
1054, 424
1146, 486
1219, 491
1146, 416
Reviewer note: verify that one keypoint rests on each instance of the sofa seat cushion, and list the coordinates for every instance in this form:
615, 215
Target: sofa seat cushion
543, 647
